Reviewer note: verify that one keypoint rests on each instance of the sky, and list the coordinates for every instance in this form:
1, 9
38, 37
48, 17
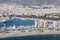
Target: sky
27, 2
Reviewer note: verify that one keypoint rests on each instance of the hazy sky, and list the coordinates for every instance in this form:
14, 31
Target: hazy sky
31, 1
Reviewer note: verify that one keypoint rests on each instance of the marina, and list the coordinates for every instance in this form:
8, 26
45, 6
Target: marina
24, 27
23, 20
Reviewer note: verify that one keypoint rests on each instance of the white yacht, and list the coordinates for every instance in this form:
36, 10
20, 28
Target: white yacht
14, 27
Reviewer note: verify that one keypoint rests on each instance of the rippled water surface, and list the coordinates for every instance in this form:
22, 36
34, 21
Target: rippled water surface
34, 37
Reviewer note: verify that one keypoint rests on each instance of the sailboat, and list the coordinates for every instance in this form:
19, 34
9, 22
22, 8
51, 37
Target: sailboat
14, 27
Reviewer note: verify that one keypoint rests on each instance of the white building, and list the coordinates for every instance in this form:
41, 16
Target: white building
28, 10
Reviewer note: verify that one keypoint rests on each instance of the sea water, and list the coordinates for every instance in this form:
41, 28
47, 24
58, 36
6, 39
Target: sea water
34, 37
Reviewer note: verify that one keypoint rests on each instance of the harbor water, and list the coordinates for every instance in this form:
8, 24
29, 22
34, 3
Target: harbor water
17, 22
